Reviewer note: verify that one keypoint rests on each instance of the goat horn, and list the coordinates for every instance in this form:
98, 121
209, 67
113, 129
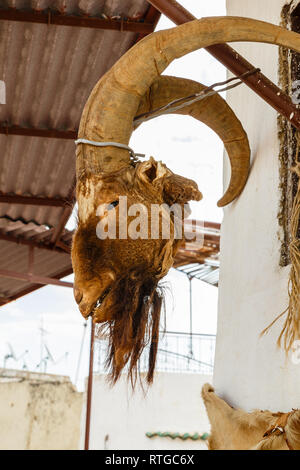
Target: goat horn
109, 112
216, 114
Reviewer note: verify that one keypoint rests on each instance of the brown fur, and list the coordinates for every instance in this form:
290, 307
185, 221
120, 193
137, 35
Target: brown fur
129, 270
234, 429
137, 305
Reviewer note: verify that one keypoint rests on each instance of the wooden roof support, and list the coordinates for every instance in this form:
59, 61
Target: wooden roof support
258, 82
49, 17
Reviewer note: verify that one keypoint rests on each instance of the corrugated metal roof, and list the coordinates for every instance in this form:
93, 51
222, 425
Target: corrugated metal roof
49, 72
200, 259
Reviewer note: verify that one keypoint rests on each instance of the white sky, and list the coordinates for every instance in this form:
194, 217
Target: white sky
189, 148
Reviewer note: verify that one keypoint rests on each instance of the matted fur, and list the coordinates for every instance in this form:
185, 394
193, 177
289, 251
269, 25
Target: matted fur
126, 272
137, 302
108, 116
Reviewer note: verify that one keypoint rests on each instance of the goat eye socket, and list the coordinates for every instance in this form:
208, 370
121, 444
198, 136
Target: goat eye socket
112, 205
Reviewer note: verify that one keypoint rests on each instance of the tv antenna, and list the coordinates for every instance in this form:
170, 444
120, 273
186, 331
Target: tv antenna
13, 356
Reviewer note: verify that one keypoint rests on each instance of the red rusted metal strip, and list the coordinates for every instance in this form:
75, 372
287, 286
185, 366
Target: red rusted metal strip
28, 290
34, 278
24, 241
10, 129
31, 200
66, 215
89, 390
189, 238
202, 224
152, 16
30, 259
55, 18
258, 82
63, 246
61, 224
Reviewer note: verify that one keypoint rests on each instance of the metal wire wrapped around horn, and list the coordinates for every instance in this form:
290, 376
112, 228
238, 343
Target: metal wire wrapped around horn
216, 114
114, 101
114, 275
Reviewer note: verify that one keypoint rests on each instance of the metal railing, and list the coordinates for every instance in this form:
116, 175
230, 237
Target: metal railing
177, 352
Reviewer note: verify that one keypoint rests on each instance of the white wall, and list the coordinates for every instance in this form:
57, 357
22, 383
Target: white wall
251, 372
173, 403
38, 412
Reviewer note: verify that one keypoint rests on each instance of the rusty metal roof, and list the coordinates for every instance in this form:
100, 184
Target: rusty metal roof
49, 70
201, 260
194, 258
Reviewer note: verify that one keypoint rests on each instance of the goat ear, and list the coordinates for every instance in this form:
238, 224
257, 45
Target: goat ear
180, 190
152, 171
175, 188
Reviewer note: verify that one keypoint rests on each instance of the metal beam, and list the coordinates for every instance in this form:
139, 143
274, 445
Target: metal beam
152, 16
32, 200
65, 216
23, 241
258, 82
58, 230
63, 246
49, 17
89, 390
34, 278
10, 129
32, 288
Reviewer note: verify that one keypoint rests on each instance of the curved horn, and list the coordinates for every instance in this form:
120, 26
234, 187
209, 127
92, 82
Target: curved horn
216, 114
113, 103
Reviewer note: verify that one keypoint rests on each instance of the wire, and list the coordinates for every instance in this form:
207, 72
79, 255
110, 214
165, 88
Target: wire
182, 102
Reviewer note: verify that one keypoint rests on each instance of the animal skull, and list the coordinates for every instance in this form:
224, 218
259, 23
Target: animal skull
116, 281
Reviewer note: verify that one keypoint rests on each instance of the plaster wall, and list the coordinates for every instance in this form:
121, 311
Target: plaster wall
173, 403
251, 372
38, 412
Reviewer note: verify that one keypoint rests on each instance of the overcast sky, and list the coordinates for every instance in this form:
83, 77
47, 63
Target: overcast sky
188, 148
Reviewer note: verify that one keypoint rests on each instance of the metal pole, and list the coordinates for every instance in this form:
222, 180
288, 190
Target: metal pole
191, 317
80, 353
89, 390
258, 82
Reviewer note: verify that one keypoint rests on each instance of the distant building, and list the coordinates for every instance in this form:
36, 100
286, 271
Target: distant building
38, 411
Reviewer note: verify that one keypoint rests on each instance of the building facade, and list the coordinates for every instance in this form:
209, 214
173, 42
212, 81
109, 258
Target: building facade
251, 371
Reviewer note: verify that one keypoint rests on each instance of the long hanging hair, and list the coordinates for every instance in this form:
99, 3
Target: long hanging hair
137, 303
